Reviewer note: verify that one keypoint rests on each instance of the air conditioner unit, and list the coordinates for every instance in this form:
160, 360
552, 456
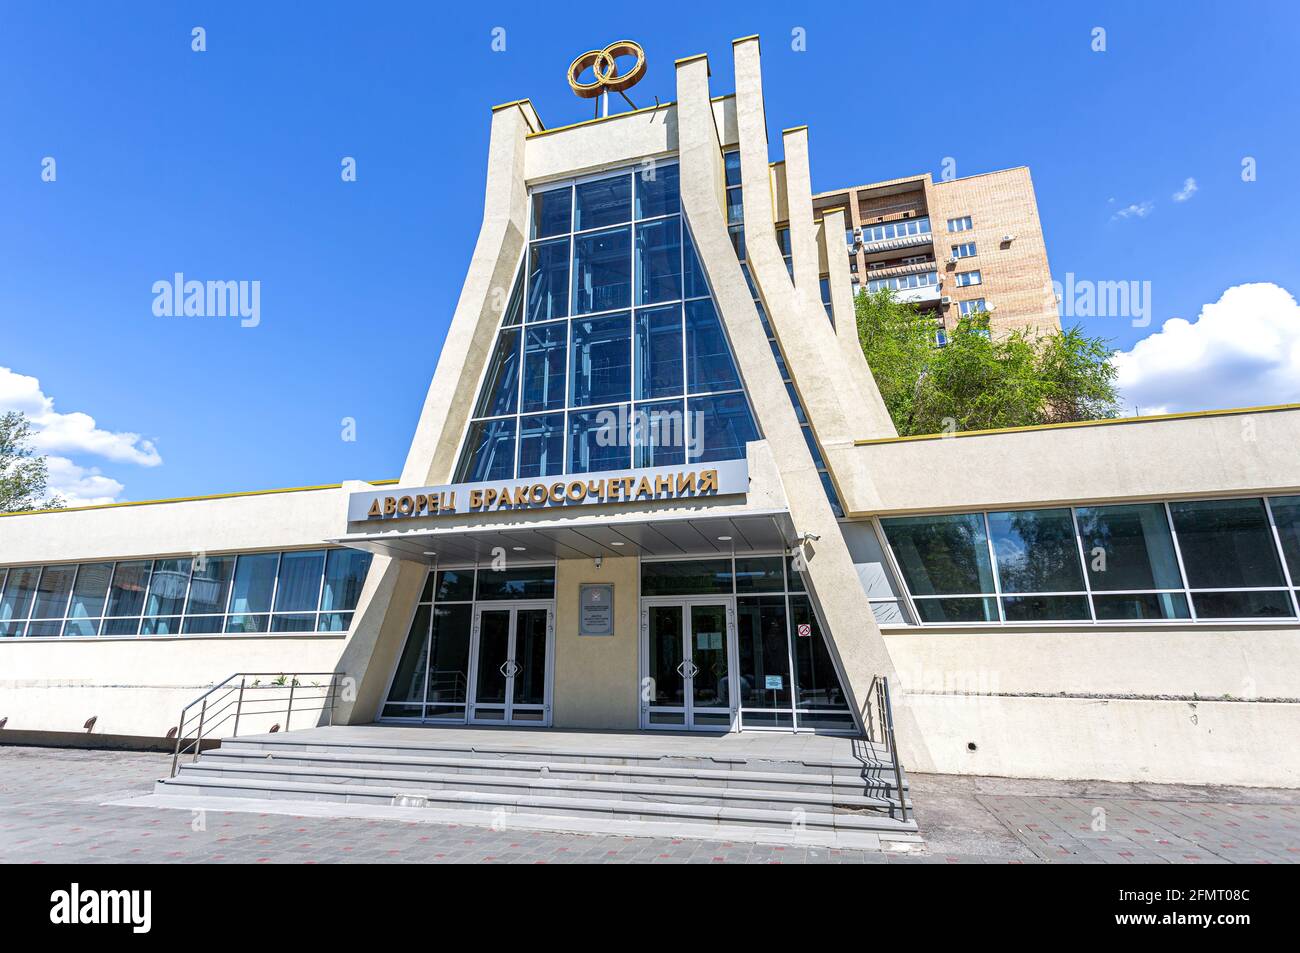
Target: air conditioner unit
990, 307
945, 300
953, 260
1008, 239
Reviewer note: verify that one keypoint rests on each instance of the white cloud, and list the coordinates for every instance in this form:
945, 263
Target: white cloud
1136, 210
74, 433
81, 486
1187, 191
1242, 351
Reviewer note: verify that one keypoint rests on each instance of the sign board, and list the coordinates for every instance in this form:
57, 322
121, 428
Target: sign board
708, 641
805, 630
773, 682
644, 485
596, 609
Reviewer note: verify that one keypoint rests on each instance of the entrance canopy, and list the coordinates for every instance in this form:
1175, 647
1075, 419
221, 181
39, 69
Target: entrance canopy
686, 535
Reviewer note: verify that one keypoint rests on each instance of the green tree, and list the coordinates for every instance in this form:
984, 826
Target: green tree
24, 477
978, 382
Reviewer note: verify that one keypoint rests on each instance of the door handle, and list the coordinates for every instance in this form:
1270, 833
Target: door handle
688, 669
504, 668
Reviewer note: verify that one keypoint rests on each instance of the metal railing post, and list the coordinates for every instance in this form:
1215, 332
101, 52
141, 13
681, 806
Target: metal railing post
198, 738
888, 715
329, 687
239, 705
289, 712
180, 730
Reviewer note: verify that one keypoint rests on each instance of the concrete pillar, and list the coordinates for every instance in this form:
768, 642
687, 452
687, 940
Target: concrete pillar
853, 638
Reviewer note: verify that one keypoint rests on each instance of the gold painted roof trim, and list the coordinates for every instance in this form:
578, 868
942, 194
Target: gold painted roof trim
691, 59
196, 499
1109, 421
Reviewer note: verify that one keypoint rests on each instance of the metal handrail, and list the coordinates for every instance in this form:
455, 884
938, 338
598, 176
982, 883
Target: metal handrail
883, 726
215, 710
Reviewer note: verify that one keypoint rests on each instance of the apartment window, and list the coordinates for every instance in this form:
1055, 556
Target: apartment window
962, 224
967, 278
903, 228
923, 279
973, 306
294, 591
1200, 560
964, 250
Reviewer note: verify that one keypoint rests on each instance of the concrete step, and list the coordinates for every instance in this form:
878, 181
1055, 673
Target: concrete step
542, 783
494, 804
871, 760
881, 784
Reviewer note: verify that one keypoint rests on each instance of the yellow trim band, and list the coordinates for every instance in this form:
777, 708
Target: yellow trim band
194, 499
1189, 415
599, 119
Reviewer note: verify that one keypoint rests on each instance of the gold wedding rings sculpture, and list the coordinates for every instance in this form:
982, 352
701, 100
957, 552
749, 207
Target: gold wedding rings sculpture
604, 67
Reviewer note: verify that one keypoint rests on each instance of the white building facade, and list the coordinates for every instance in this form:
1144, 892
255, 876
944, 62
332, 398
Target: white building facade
654, 488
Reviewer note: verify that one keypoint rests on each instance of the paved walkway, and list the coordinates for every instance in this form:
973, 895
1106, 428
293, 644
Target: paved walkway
52, 809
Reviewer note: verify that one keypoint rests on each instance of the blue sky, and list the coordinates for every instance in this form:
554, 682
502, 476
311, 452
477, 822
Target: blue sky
225, 165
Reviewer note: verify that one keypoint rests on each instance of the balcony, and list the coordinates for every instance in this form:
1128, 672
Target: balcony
895, 271
925, 295
902, 241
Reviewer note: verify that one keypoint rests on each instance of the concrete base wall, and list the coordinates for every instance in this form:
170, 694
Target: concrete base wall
139, 687
1209, 705
1166, 742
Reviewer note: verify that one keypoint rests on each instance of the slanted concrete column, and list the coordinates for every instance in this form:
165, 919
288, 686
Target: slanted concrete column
806, 337
853, 638
393, 586
874, 421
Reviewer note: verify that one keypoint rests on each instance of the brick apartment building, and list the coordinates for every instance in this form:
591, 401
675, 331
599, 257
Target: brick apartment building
952, 247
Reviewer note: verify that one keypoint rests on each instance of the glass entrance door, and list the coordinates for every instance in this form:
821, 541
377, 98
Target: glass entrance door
687, 647
511, 674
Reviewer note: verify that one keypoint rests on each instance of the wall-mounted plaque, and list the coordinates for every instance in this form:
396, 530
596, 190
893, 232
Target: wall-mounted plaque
596, 609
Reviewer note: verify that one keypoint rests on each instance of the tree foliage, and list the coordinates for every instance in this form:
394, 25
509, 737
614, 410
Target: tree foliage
978, 382
24, 477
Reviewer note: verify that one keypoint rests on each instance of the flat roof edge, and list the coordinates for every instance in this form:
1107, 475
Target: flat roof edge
192, 499
1106, 421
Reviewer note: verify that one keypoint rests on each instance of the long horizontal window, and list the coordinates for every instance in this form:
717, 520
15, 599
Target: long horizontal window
1194, 560
899, 229
313, 590
923, 279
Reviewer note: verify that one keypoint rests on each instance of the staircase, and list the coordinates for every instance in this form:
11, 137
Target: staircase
811, 790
